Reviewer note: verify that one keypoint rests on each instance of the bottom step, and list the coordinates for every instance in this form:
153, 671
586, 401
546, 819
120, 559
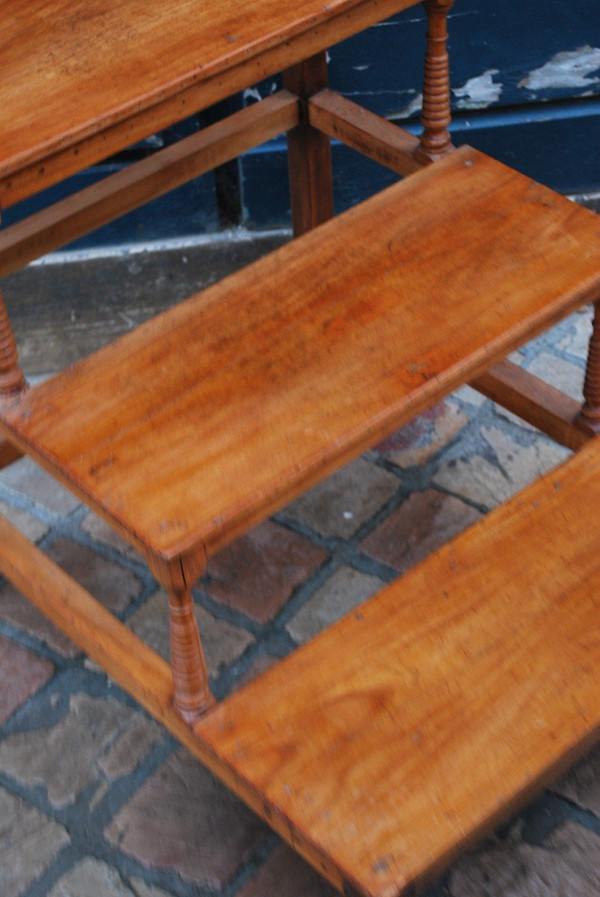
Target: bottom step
388, 744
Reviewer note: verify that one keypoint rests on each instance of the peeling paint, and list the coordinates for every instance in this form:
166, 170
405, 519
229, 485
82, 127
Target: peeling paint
414, 106
479, 92
251, 93
569, 68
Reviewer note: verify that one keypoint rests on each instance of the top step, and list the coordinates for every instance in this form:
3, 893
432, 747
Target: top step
72, 70
204, 420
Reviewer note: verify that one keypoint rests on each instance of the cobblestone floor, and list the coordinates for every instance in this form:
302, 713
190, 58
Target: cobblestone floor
97, 800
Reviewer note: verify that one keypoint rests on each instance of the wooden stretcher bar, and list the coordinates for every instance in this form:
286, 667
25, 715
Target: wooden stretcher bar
146, 180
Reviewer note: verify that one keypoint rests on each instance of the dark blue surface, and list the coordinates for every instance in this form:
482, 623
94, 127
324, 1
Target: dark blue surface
549, 129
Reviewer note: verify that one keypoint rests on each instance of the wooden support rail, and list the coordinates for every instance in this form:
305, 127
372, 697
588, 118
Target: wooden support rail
8, 453
534, 401
127, 659
143, 181
364, 131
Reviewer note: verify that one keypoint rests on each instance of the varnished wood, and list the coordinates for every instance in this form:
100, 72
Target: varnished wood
309, 152
139, 183
8, 453
589, 418
364, 131
82, 80
535, 401
435, 140
12, 381
398, 737
252, 391
405, 732
485, 685
190, 677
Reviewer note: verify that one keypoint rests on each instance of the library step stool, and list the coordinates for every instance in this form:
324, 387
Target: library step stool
389, 743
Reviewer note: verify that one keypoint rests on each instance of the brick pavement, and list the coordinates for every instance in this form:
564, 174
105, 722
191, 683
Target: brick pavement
97, 799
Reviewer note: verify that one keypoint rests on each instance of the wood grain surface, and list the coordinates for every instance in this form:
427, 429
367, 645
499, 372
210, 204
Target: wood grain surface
400, 735
84, 78
204, 420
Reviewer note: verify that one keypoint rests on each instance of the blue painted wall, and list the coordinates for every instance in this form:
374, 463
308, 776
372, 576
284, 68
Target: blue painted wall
525, 88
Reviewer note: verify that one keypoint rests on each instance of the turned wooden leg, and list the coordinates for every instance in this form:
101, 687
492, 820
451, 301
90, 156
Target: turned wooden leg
435, 117
589, 417
12, 380
309, 152
190, 678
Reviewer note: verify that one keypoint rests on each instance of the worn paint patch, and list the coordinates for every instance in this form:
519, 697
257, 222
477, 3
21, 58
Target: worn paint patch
476, 93
479, 92
570, 68
412, 108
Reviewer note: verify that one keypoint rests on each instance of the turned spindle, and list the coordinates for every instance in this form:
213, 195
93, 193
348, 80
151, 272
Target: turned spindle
589, 417
435, 139
12, 380
190, 677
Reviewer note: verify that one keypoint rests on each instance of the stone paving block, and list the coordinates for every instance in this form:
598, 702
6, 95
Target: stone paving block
567, 866
185, 821
111, 583
102, 739
578, 329
564, 375
423, 438
479, 481
344, 591
222, 641
100, 531
29, 525
581, 785
285, 874
342, 503
141, 889
15, 609
22, 673
95, 878
421, 524
25, 476
258, 572
115, 586
29, 843
260, 665
469, 395
91, 877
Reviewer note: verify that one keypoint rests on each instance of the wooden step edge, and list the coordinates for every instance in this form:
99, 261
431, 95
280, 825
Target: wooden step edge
173, 570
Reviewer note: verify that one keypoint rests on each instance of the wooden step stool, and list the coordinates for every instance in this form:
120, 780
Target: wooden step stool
393, 740
191, 428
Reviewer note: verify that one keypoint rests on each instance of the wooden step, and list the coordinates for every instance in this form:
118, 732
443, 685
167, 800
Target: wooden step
212, 415
399, 736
